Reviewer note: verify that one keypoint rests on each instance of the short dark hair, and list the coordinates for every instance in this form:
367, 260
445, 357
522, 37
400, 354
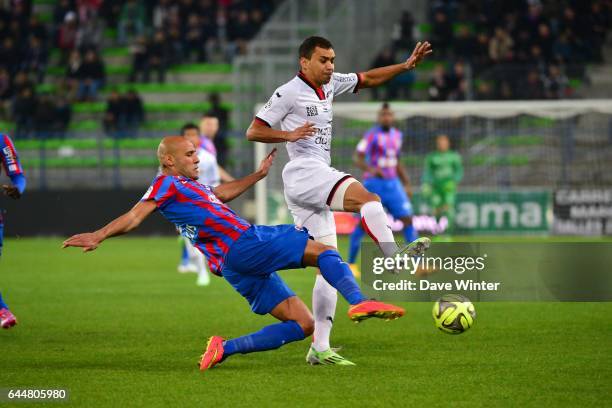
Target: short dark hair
308, 45
189, 126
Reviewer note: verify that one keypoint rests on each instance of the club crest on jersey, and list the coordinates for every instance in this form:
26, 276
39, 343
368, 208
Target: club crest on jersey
311, 111
188, 231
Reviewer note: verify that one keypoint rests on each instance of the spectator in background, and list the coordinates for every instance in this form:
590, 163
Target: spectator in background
222, 114
500, 46
21, 81
110, 11
532, 88
140, 60
545, 41
455, 83
72, 74
9, 55
91, 76
66, 36
403, 37
194, 40
158, 53
89, 34
63, 115
163, 12
23, 107
464, 44
44, 117
555, 83
6, 93
441, 33
134, 113
438, 86
484, 92
239, 31
114, 121
383, 59
36, 58
131, 21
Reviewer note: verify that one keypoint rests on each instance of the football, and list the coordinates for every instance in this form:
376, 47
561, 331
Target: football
453, 314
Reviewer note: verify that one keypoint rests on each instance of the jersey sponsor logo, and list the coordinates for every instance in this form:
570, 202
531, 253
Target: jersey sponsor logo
8, 154
339, 78
311, 111
328, 94
12, 167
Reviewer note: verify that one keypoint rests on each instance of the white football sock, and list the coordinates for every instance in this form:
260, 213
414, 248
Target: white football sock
324, 298
376, 225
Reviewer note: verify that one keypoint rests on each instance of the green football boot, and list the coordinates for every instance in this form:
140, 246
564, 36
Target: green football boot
327, 357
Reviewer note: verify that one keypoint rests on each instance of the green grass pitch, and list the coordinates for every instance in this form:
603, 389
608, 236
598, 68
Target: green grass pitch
120, 327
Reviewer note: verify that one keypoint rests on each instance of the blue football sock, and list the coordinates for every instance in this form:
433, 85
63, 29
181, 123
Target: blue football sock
339, 275
2, 304
355, 241
269, 338
184, 254
410, 234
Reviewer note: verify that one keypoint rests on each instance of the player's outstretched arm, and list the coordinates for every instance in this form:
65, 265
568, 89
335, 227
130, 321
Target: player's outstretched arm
228, 191
122, 225
258, 132
379, 76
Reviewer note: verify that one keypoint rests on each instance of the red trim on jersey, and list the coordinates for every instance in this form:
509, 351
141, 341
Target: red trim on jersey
333, 190
359, 81
318, 90
261, 121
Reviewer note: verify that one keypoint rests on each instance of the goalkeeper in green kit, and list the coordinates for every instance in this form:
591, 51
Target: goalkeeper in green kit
443, 171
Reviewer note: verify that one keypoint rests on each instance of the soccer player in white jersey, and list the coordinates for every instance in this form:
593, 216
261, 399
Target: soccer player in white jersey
313, 189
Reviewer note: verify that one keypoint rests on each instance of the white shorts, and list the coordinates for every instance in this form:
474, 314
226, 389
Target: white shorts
308, 184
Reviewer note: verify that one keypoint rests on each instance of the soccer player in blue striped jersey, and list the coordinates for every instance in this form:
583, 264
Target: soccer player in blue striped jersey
246, 255
12, 167
378, 155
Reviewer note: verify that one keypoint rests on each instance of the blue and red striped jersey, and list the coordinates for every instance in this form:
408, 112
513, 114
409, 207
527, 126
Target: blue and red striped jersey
196, 211
382, 150
8, 157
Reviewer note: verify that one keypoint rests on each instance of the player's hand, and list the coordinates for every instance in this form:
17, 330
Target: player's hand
266, 163
11, 191
88, 241
421, 50
303, 132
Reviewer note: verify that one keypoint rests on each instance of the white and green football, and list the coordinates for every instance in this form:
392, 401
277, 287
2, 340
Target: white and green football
453, 314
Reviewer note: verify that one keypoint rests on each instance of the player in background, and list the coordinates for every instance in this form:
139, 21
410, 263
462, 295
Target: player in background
211, 173
378, 155
442, 172
12, 167
246, 255
313, 189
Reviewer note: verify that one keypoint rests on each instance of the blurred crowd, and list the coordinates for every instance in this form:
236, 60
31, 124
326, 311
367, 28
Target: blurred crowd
157, 33
524, 49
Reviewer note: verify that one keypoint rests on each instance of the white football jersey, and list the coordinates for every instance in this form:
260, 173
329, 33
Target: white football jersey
300, 101
208, 168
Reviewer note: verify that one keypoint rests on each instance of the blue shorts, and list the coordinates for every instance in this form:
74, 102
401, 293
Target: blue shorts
252, 261
392, 195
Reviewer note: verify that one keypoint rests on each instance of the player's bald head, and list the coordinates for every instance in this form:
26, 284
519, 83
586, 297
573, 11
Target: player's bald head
170, 145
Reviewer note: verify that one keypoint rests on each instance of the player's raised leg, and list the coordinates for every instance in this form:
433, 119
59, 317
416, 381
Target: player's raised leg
352, 196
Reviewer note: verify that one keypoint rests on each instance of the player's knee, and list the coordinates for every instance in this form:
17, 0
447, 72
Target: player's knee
369, 197
307, 325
